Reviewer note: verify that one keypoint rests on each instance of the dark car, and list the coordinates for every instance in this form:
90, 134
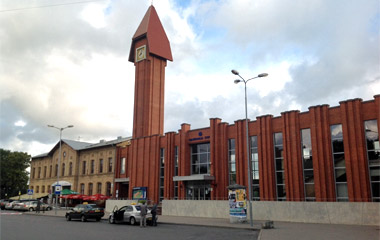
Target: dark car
84, 212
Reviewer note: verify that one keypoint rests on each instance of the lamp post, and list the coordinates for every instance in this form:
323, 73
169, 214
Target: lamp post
247, 137
59, 159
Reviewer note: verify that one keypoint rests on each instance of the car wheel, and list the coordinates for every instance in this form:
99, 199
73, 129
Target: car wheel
48, 208
83, 218
111, 220
132, 221
68, 218
98, 219
31, 209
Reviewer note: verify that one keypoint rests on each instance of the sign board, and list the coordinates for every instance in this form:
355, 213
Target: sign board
58, 189
30, 191
238, 205
139, 193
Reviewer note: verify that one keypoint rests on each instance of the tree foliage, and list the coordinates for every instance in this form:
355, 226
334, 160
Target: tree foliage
13, 175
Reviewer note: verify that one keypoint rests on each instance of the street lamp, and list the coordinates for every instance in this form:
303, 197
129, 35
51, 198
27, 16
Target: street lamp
59, 159
247, 137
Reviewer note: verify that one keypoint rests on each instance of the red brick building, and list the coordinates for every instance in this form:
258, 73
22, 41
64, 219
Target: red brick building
324, 154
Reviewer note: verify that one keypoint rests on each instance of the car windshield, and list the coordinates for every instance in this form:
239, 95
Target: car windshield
138, 208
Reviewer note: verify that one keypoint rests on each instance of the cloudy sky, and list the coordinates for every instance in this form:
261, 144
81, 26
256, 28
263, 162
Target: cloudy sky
66, 62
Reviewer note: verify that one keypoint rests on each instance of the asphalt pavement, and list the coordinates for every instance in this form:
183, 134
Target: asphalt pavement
281, 230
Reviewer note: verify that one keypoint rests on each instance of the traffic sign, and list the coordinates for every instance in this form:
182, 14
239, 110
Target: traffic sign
30, 191
58, 189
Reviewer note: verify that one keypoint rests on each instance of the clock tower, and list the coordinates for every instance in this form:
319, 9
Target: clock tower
150, 50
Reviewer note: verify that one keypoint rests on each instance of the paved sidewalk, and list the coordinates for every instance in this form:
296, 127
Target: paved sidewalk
281, 230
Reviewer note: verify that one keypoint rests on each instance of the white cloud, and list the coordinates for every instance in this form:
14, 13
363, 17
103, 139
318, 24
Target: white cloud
69, 64
94, 14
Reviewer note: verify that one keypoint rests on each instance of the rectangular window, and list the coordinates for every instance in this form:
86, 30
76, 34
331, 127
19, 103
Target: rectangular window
56, 169
255, 169
307, 163
373, 154
101, 166
63, 169
162, 172
84, 167
92, 168
231, 162
39, 172
122, 167
279, 167
200, 159
176, 172
45, 171
109, 164
339, 163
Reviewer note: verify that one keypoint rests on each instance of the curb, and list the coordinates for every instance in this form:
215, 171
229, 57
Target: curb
214, 226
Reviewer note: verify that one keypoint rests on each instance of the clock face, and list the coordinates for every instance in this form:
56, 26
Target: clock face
140, 53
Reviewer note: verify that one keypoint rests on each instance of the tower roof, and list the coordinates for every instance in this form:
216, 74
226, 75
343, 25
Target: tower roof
151, 28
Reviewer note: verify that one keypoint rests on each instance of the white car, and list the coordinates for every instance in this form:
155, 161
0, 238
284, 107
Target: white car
129, 214
10, 205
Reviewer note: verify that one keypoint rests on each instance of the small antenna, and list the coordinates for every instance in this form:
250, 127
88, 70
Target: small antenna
152, 3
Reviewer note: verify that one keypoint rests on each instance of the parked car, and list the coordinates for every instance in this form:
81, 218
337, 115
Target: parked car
32, 206
85, 212
9, 205
17, 206
3, 202
129, 214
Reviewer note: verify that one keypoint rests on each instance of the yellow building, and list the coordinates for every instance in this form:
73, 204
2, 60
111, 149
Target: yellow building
86, 168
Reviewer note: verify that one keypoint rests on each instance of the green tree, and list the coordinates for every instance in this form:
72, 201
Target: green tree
13, 172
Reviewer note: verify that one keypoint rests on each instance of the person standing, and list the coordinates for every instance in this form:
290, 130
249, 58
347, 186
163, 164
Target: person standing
143, 212
154, 214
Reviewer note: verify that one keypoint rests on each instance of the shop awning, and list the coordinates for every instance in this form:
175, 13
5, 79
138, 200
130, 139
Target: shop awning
26, 196
68, 191
198, 177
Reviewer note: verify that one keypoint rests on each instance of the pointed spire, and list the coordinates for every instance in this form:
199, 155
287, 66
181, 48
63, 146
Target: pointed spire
151, 28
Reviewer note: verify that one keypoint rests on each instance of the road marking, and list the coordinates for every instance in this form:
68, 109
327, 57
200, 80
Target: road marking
10, 213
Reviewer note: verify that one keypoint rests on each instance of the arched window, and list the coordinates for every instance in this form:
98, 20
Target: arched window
63, 169
82, 188
90, 185
99, 189
108, 192
56, 169
43, 189
38, 189
71, 169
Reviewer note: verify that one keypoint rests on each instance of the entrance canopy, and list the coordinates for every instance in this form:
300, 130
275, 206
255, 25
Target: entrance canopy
62, 183
198, 177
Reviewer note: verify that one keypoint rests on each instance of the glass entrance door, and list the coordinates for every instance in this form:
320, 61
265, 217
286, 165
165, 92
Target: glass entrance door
196, 191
